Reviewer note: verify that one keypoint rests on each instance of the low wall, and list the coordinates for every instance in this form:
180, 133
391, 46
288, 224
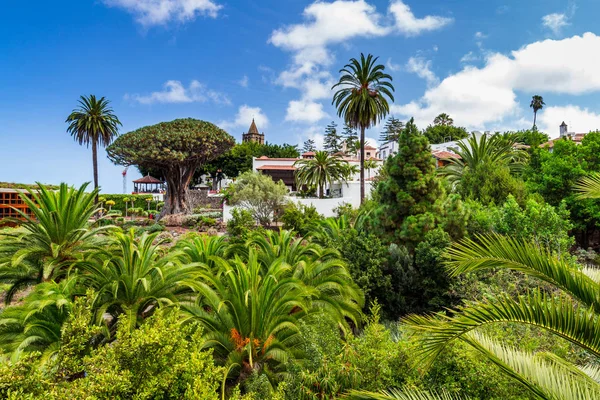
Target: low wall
201, 198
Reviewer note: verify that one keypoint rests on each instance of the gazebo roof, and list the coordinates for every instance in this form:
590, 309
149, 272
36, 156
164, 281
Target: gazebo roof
148, 179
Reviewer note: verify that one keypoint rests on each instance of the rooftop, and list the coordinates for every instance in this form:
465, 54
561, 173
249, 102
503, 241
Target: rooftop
148, 179
277, 167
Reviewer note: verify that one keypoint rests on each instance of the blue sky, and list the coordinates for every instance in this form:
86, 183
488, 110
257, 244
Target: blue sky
226, 61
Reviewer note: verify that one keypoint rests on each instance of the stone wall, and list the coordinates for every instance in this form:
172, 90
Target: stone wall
201, 198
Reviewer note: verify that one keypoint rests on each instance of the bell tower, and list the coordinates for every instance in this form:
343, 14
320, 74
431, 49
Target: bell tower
253, 135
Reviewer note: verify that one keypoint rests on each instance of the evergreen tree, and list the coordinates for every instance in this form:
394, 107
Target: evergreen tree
350, 139
391, 130
333, 140
409, 190
309, 145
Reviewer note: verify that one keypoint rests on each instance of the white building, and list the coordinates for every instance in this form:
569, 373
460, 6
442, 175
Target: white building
337, 194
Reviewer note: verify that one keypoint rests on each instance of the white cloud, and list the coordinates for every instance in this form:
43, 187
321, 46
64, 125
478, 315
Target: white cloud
408, 24
174, 92
422, 68
469, 58
327, 24
480, 35
244, 117
244, 82
555, 22
478, 97
305, 111
578, 120
161, 12
393, 67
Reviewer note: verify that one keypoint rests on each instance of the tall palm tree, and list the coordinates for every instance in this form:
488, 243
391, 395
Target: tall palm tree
362, 99
571, 311
47, 242
95, 123
134, 277
495, 150
444, 120
537, 103
324, 168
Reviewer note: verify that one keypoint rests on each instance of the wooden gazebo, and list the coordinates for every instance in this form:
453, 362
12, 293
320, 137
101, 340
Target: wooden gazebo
148, 184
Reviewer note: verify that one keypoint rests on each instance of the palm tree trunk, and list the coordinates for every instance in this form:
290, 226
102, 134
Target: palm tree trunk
362, 164
95, 161
534, 118
320, 190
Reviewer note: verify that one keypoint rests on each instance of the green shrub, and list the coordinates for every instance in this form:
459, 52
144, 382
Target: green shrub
206, 222
300, 218
139, 201
241, 222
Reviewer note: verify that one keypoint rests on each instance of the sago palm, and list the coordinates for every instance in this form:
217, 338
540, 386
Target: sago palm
134, 277
496, 150
573, 315
57, 233
364, 90
36, 324
321, 170
202, 249
95, 123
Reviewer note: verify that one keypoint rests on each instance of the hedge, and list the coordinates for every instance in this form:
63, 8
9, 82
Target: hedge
140, 201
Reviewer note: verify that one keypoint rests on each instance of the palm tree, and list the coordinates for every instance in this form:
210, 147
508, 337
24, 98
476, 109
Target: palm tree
324, 168
572, 315
589, 187
496, 150
444, 120
47, 242
134, 277
537, 103
93, 122
362, 99
369, 165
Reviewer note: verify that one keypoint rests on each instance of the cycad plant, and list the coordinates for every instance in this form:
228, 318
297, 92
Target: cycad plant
36, 325
134, 277
496, 150
571, 311
321, 170
57, 233
364, 90
589, 187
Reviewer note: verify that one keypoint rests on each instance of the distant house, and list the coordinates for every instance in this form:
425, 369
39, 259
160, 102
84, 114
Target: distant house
565, 135
442, 157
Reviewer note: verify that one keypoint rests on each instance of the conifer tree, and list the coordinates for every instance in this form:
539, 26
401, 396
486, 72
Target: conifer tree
408, 192
391, 130
333, 140
309, 145
350, 139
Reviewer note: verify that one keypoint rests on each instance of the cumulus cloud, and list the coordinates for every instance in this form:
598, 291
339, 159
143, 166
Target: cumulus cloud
327, 24
393, 67
469, 58
579, 120
422, 68
175, 92
244, 117
161, 12
555, 22
244, 82
305, 111
408, 24
477, 97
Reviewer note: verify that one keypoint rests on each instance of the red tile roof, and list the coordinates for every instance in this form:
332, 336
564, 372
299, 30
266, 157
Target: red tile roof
441, 154
277, 159
148, 179
309, 153
370, 148
276, 168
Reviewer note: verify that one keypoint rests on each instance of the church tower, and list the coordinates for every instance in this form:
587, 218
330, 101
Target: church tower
253, 135
563, 130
